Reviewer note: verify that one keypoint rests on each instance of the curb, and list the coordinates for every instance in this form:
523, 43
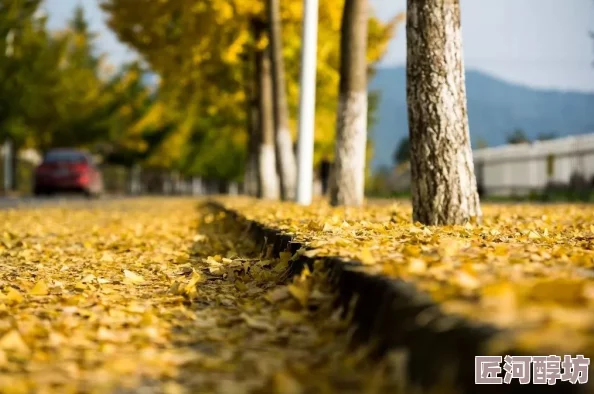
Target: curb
388, 311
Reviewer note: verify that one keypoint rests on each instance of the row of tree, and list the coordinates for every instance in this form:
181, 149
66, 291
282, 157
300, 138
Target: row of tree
228, 93
56, 90
229, 82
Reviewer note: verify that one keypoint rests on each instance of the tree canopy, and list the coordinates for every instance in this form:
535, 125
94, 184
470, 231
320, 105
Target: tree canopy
200, 49
518, 136
56, 89
402, 152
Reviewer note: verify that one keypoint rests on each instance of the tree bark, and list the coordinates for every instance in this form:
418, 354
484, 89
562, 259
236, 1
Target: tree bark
252, 179
348, 181
267, 170
287, 168
443, 186
251, 176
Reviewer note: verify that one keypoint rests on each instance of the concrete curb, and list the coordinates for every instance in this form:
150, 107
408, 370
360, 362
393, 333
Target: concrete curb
398, 316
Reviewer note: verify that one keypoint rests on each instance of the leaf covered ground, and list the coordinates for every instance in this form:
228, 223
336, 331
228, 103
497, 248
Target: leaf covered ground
525, 268
163, 296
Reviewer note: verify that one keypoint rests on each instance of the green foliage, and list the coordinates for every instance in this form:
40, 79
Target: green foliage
402, 152
51, 93
518, 136
54, 90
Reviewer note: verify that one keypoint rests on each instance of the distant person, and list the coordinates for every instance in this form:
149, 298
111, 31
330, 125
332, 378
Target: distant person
325, 167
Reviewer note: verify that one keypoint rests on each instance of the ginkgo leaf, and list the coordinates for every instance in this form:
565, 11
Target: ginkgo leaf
284, 383
40, 289
13, 341
13, 296
299, 293
133, 277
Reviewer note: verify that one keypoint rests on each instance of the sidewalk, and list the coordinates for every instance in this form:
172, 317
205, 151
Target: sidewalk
521, 282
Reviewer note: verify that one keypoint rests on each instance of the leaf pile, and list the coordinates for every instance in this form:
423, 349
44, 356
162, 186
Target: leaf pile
526, 268
157, 296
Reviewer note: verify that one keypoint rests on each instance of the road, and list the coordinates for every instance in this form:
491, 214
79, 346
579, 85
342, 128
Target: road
70, 201
135, 296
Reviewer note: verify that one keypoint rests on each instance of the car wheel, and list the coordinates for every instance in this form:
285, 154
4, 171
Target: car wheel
40, 192
91, 195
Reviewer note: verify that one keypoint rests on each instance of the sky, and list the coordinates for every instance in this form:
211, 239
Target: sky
538, 43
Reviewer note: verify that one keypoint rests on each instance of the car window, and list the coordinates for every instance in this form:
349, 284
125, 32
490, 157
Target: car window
65, 156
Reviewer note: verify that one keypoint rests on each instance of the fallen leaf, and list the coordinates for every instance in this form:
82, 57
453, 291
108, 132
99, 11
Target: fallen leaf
278, 294
14, 296
299, 293
133, 277
12, 341
40, 289
284, 383
257, 323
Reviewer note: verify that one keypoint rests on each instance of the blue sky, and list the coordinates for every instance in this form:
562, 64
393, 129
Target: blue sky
539, 43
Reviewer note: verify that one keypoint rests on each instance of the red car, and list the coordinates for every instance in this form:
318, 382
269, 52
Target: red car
68, 170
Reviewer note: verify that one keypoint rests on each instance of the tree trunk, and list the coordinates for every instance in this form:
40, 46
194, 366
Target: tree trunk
251, 180
348, 181
287, 168
269, 182
251, 169
443, 183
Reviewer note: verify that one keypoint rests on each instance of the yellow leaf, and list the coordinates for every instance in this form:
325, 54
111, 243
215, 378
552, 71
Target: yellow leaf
466, 280
299, 293
291, 317
240, 286
89, 278
13, 341
133, 277
284, 383
417, 266
257, 324
14, 296
533, 235
39, 289
173, 388
175, 288
366, 257
194, 280
285, 257
562, 291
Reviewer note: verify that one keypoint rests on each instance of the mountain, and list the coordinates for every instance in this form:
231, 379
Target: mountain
495, 108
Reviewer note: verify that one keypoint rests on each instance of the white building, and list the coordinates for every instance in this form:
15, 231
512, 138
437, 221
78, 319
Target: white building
523, 168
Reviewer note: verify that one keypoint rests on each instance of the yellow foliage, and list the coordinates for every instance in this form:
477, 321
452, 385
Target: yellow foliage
198, 48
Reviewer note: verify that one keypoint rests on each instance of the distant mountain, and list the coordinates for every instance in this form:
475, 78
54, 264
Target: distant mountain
495, 108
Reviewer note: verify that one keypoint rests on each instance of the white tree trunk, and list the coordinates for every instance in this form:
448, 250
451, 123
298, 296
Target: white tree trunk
347, 185
348, 180
270, 187
286, 162
287, 166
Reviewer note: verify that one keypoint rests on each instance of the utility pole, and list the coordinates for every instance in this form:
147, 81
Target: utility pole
307, 102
